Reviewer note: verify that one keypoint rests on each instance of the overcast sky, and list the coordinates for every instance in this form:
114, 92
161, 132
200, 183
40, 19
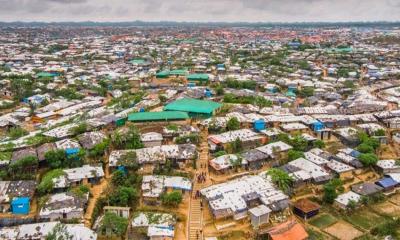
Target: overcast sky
200, 10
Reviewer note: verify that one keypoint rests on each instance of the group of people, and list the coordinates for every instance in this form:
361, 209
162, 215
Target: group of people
201, 177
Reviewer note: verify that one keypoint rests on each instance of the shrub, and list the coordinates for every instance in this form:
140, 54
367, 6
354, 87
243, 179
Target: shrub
171, 199
47, 184
113, 223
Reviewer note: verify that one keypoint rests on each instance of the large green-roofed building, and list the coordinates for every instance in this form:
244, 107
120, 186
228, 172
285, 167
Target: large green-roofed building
198, 77
176, 72
157, 116
194, 107
179, 72
162, 74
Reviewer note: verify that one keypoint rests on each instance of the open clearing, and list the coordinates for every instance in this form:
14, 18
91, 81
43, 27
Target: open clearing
364, 219
323, 221
388, 208
343, 231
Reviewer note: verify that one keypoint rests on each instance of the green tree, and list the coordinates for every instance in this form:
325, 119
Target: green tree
368, 159
319, 144
331, 190
129, 160
79, 129
171, 199
55, 158
219, 90
262, 102
118, 178
233, 124
281, 179
351, 205
365, 148
298, 143
123, 196
235, 146
113, 224
133, 138
293, 154
220, 153
46, 184
99, 149
380, 132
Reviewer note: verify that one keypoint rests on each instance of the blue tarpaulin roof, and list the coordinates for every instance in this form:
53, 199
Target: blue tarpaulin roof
20, 200
386, 182
71, 150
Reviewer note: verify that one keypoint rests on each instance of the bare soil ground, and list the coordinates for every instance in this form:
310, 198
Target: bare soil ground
96, 192
388, 208
343, 230
395, 199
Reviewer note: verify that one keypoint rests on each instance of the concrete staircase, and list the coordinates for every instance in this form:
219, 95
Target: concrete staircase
195, 213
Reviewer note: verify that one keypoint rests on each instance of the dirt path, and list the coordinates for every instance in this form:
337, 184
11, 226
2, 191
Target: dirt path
96, 192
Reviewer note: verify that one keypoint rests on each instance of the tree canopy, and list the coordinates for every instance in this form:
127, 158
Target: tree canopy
171, 199
233, 124
280, 178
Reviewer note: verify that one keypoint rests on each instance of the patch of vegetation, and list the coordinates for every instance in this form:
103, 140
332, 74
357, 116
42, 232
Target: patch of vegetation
5, 156
127, 140
17, 170
314, 235
69, 93
16, 132
233, 124
232, 83
172, 199
364, 219
293, 154
389, 227
80, 191
114, 224
38, 139
255, 100
281, 179
172, 127
46, 185
99, 149
323, 221
332, 189
79, 129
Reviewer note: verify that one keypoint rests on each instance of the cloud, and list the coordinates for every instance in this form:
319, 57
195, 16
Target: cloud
200, 10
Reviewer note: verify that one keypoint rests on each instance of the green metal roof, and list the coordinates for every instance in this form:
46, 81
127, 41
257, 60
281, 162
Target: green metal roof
162, 74
157, 116
137, 61
198, 77
193, 105
180, 72
45, 74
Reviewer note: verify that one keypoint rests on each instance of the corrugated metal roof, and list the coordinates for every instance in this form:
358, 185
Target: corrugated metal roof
193, 105
157, 116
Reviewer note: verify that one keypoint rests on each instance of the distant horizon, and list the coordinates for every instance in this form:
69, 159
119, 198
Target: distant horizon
204, 11
142, 23
229, 22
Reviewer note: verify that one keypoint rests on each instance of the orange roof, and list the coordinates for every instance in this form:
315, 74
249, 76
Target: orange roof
306, 205
288, 231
